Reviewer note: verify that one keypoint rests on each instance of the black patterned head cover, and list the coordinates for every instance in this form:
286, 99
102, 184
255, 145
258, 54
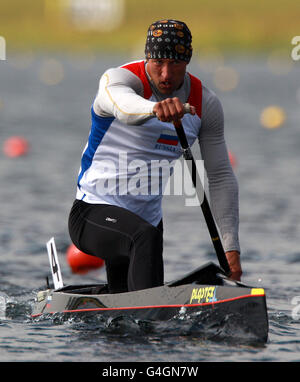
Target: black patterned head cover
169, 39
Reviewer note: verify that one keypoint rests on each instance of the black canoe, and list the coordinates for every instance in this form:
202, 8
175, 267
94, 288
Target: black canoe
205, 290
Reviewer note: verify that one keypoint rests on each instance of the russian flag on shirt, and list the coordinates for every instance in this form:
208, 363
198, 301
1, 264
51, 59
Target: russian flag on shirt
168, 137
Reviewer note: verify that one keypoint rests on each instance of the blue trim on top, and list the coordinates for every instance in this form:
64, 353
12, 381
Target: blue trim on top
99, 127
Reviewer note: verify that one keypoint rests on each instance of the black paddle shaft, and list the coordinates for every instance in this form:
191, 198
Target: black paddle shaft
187, 153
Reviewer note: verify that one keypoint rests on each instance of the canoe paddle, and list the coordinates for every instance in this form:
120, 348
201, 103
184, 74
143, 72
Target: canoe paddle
188, 156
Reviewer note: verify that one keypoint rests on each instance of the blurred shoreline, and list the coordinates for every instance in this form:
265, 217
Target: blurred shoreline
108, 26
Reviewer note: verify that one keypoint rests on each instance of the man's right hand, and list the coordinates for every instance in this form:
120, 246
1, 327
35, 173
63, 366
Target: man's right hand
170, 109
233, 258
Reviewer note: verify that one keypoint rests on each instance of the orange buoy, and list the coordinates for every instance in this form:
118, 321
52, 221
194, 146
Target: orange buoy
15, 147
232, 159
81, 262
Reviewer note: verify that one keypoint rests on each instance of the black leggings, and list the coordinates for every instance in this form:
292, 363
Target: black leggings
131, 247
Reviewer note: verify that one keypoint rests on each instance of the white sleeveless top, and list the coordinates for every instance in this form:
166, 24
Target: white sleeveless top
129, 150
120, 164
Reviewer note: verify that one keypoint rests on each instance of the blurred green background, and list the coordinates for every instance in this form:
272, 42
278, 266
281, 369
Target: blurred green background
231, 26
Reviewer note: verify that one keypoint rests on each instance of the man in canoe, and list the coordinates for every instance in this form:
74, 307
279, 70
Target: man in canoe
113, 217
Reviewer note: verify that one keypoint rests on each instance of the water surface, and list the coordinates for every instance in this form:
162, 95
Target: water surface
37, 191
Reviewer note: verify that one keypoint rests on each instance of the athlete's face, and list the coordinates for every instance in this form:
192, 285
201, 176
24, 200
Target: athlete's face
167, 74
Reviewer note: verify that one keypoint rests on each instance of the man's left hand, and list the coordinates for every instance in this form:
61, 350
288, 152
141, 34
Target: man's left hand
233, 258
